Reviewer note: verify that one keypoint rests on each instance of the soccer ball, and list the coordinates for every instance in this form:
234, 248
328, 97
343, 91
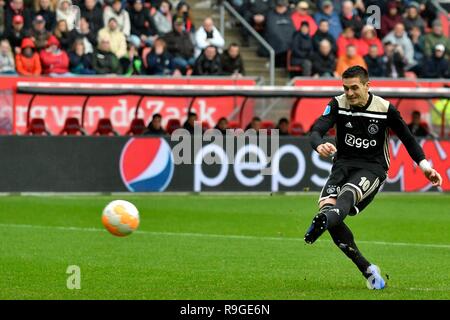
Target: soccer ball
120, 218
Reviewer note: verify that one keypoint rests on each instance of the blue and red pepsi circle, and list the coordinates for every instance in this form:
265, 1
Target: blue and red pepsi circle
146, 164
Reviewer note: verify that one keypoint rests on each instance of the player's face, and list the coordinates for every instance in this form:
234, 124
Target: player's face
356, 92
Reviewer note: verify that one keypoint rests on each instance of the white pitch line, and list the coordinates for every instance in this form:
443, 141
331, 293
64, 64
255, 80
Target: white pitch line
223, 236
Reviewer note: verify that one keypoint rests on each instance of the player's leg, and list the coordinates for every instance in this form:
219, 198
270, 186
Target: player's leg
327, 200
363, 186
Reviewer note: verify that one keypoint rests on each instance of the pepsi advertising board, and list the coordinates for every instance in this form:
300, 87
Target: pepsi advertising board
156, 164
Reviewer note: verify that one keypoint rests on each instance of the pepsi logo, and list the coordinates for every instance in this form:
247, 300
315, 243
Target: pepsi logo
146, 164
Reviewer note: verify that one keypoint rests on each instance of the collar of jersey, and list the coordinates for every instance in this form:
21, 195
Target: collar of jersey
369, 101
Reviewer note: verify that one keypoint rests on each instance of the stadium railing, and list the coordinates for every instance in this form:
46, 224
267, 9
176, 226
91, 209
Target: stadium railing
247, 93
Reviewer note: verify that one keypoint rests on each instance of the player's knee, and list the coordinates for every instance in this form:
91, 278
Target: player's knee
350, 189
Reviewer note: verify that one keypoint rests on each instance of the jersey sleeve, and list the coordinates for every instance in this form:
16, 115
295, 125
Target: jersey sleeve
324, 123
398, 125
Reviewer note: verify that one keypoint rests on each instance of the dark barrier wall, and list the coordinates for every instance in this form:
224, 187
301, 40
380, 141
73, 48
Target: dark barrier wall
113, 164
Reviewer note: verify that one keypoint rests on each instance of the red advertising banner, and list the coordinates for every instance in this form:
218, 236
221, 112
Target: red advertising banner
405, 171
120, 109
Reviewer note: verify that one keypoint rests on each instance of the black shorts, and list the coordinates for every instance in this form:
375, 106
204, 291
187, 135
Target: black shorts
365, 182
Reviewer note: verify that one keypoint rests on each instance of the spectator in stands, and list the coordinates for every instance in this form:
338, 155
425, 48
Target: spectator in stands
428, 11
7, 64
116, 37
122, 17
54, 61
435, 37
163, 17
14, 8
369, 38
80, 61
28, 62
190, 122
89, 38
184, 12
302, 49
104, 61
93, 12
352, 58
327, 13
154, 127
346, 38
324, 61
418, 42
159, 60
180, 46
416, 126
412, 18
375, 63
255, 124
208, 35
437, 66
222, 125
301, 14
279, 31
62, 34
64, 12
254, 12
283, 127
39, 34
323, 33
349, 18
231, 60
399, 37
142, 24
16, 33
46, 9
390, 19
131, 63
208, 63
394, 60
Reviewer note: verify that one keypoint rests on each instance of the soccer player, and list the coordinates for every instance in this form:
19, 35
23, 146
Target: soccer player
360, 162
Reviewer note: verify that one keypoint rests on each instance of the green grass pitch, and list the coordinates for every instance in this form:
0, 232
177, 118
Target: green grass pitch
220, 247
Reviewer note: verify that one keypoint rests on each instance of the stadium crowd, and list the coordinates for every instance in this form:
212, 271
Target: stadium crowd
158, 37
134, 37
322, 38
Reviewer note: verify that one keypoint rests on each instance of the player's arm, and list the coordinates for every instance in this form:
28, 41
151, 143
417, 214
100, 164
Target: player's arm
396, 123
321, 127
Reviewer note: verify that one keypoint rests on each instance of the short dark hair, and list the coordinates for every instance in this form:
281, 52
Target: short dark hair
356, 72
256, 119
283, 120
157, 115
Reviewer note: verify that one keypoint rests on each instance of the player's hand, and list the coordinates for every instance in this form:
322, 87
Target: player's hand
434, 177
326, 149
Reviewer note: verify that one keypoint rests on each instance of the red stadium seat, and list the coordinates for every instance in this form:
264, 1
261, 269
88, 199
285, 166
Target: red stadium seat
425, 125
36, 127
172, 125
205, 125
296, 129
104, 128
72, 127
234, 125
332, 132
267, 124
145, 53
137, 127
290, 67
